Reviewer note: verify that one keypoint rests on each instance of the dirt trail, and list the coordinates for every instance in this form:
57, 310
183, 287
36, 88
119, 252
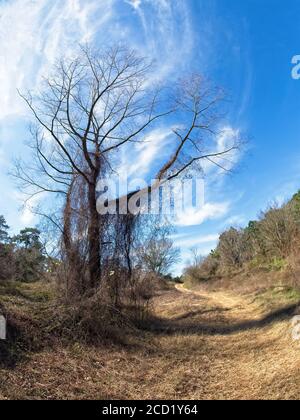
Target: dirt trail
201, 345
244, 307
238, 350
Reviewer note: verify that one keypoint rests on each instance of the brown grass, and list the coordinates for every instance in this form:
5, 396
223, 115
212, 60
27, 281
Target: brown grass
201, 345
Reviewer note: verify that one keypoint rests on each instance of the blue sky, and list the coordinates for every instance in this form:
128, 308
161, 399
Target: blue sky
244, 46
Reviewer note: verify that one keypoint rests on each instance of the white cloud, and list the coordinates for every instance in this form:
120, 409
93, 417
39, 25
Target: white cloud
168, 36
3, 161
225, 139
138, 162
134, 3
210, 211
188, 242
27, 216
33, 34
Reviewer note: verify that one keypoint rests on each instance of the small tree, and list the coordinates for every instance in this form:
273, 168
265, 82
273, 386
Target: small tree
29, 257
197, 258
3, 230
231, 248
279, 230
158, 253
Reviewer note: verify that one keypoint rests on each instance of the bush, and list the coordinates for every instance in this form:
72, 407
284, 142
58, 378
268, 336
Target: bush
29, 257
233, 248
279, 231
277, 264
21, 257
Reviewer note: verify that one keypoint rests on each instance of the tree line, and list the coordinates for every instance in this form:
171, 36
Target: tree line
267, 242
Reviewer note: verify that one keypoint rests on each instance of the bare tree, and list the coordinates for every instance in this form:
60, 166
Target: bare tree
232, 247
197, 258
90, 108
158, 254
278, 229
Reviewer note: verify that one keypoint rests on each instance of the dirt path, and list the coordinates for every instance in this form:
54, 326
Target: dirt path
201, 346
243, 307
235, 349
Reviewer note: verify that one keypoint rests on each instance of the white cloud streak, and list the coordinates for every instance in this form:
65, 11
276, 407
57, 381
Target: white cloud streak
33, 34
168, 34
227, 136
189, 242
210, 211
134, 3
144, 153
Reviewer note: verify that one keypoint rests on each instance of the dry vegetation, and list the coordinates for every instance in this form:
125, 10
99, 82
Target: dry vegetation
263, 255
199, 345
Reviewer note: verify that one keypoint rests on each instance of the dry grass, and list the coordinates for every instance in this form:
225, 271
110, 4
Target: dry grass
202, 345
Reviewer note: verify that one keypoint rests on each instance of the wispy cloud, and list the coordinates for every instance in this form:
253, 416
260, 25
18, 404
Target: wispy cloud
134, 3
187, 241
168, 34
209, 211
139, 159
33, 34
226, 137
27, 216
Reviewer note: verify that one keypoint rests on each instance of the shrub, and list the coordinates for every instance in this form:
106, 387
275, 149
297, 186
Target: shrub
232, 248
277, 264
29, 257
279, 230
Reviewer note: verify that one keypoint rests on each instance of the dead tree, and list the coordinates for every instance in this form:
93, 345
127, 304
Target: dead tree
98, 103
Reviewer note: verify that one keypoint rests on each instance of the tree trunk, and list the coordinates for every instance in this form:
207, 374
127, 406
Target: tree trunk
67, 234
74, 263
94, 262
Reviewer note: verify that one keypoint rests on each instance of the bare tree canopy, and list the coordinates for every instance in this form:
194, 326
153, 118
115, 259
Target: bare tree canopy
158, 254
88, 110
